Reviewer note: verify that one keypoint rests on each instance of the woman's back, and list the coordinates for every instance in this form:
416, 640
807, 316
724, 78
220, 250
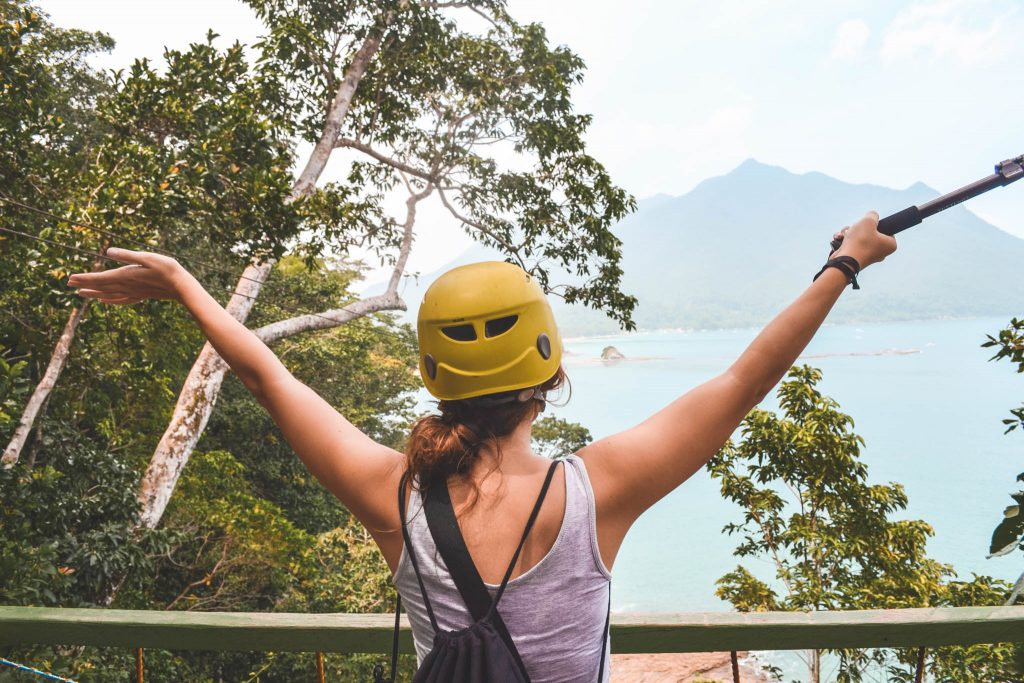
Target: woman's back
555, 610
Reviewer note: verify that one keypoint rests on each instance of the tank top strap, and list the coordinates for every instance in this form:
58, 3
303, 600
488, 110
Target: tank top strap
580, 508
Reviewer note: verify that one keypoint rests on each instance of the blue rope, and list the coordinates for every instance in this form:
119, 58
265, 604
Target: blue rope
22, 667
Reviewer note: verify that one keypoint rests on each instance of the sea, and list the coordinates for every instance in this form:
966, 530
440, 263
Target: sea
922, 394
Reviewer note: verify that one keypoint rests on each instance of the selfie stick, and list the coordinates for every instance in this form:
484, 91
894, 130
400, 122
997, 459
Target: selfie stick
1006, 172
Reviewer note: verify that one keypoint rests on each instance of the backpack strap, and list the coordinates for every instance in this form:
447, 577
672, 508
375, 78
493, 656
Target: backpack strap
444, 528
604, 638
378, 669
412, 555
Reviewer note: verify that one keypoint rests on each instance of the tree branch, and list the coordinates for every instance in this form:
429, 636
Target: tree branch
407, 235
334, 317
455, 4
339, 108
479, 226
388, 301
43, 389
349, 143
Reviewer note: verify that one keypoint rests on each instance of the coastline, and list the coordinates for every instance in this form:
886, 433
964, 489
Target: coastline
758, 327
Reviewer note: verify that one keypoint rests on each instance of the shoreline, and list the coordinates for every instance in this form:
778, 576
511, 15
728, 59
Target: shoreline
689, 667
747, 328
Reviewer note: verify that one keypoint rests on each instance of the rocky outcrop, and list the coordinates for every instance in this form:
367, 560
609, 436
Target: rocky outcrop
612, 353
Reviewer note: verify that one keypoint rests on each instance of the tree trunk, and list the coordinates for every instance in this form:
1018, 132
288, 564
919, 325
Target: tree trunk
34, 408
202, 386
193, 409
815, 666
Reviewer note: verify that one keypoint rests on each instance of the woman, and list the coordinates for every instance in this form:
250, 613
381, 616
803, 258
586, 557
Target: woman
490, 351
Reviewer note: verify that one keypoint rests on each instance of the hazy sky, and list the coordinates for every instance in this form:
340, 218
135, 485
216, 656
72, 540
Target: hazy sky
868, 91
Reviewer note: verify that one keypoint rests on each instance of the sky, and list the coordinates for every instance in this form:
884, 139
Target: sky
888, 92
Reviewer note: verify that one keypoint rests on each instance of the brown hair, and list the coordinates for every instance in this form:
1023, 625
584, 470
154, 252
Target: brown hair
449, 443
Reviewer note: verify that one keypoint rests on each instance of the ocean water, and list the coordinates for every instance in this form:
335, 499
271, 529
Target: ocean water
923, 395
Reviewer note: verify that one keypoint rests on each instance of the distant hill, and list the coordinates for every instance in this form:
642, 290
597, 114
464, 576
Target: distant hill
739, 247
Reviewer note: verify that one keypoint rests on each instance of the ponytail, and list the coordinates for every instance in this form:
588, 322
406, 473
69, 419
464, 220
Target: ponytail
451, 443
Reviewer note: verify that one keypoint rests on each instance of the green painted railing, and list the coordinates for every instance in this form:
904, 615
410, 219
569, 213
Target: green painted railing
696, 632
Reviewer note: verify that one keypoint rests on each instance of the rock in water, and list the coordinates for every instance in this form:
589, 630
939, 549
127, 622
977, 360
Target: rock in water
612, 353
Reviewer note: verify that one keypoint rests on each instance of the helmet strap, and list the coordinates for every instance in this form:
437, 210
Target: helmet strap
517, 396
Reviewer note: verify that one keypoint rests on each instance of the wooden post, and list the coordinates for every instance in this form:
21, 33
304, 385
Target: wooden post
919, 674
320, 666
138, 665
735, 667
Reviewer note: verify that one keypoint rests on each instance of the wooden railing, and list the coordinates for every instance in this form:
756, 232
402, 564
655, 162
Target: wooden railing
687, 632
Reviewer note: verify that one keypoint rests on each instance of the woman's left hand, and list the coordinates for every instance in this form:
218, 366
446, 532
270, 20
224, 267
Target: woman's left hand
863, 242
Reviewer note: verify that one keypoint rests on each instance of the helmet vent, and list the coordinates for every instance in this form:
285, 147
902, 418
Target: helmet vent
463, 333
492, 328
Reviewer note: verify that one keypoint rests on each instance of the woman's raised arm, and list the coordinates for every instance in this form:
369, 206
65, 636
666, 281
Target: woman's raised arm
360, 472
632, 470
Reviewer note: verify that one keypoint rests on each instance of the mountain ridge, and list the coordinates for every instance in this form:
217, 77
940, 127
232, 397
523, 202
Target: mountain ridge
738, 247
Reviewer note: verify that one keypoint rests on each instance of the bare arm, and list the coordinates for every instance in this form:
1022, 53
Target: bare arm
351, 465
632, 470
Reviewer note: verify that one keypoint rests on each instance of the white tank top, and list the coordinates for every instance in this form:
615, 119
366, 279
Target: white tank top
555, 612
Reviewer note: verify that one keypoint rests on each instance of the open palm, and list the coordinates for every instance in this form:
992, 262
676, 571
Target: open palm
148, 276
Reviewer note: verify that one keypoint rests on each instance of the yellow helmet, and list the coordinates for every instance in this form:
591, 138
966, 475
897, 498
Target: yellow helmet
486, 328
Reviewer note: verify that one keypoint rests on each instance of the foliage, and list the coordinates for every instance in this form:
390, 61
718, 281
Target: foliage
1009, 534
13, 386
484, 119
996, 663
237, 551
554, 437
197, 143
810, 510
1009, 345
194, 155
48, 97
68, 523
68, 526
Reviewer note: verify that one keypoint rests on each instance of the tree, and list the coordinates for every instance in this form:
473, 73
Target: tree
164, 153
982, 663
248, 529
1009, 534
554, 437
432, 93
810, 510
48, 93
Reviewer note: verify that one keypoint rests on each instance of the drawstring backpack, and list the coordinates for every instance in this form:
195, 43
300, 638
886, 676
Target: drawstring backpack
484, 651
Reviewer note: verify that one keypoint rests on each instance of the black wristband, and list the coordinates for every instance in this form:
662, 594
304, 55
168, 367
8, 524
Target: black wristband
846, 264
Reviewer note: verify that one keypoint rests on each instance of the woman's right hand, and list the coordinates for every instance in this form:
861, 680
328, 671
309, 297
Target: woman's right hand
148, 276
863, 242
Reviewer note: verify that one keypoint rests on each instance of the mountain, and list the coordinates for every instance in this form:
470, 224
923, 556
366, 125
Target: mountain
739, 247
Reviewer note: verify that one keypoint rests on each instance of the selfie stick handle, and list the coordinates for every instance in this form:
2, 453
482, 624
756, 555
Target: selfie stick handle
1006, 172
